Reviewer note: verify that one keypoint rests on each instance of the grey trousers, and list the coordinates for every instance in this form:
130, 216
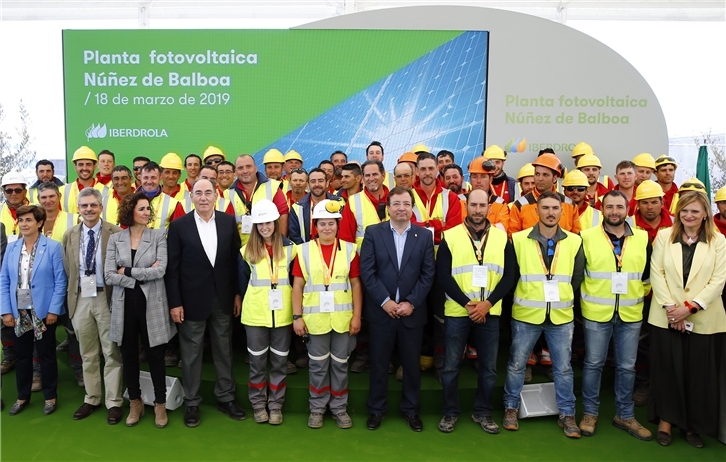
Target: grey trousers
260, 342
191, 346
328, 368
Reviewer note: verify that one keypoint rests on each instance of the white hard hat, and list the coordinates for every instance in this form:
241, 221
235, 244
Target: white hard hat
264, 211
327, 209
14, 178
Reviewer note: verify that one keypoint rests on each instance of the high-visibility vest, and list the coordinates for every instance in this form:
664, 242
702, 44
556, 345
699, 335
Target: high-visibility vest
529, 305
441, 207
69, 195
110, 209
389, 180
11, 224
463, 260
312, 268
220, 206
255, 306
63, 222
598, 302
163, 207
266, 190
33, 196
365, 214
590, 218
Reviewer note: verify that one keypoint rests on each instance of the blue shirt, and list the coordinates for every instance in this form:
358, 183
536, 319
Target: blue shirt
399, 240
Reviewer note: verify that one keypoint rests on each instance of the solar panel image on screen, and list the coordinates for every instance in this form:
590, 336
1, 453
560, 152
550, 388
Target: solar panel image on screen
438, 100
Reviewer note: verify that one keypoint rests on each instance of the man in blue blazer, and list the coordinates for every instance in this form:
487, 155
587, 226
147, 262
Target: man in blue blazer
300, 224
395, 303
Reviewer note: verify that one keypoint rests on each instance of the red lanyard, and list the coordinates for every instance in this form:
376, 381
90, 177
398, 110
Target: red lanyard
327, 270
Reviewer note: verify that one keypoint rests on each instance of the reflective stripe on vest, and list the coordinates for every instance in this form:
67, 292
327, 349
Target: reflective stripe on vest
255, 305
58, 231
441, 209
365, 214
299, 212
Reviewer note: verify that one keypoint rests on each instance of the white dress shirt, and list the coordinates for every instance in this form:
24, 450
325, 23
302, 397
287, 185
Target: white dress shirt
208, 235
24, 268
82, 251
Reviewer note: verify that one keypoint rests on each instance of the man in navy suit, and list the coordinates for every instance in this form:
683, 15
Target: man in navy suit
395, 303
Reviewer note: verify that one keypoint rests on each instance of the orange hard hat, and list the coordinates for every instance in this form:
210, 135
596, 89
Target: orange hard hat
408, 157
550, 161
482, 165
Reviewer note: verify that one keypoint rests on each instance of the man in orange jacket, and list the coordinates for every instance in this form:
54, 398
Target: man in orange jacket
481, 172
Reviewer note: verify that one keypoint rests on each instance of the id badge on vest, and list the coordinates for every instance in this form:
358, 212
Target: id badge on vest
551, 291
246, 224
88, 286
432, 232
274, 299
619, 283
479, 276
327, 301
25, 301
12, 238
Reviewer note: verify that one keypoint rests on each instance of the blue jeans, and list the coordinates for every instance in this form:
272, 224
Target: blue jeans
625, 340
485, 338
559, 340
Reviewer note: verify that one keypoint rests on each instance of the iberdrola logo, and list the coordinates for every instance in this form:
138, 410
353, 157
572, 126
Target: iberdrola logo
96, 131
516, 145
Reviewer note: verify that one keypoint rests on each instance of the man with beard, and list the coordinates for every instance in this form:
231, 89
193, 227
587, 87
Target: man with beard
665, 173
300, 229
350, 181
481, 171
617, 262
44, 171
590, 165
84, 161
502, 185
368, 206
453, 177
435, 208
298, 181
171, 170
165, 207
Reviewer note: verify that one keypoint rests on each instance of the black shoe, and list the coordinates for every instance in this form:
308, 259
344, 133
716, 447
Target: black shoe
18, 407
232, 409
84, 411
114, 415
374, 421
414, 422
191, 418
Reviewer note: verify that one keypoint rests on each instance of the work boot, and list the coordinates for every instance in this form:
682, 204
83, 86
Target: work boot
37, 384
569, 425
633, 427
291, 368
135, 413
6, 366
641, 395
359, 365
160, 418
588, 424
315, 420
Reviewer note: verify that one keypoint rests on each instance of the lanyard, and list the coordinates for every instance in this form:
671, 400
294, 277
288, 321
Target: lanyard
619, 258
503, 189
274, 272
478, 245
548, 271
248, 202
30, 262
327, 270
84, 235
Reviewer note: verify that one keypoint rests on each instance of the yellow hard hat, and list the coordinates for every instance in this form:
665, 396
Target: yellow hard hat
575, 178
273, 156
720, 195
495, 152
526, 170
665, 160
648, 189
589, 160
644, 160
293, 155
213, 151
84, 153
581, 149
426, 362
420, 147
171, 161
694, 184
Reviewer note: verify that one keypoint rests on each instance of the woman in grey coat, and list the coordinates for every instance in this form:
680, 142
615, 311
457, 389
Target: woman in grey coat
136, 260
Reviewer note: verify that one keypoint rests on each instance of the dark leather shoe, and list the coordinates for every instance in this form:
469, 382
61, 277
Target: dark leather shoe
84, 411
114, 415
232, 409
191, 418
414, 422
18, 407
374, 421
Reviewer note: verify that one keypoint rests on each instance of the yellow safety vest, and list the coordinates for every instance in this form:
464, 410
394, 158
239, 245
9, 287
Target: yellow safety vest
255, 306
11, 224
162, 207
599, 304
463, 260
365, 214
300, 214
63, 222
110, 209
441, 208
590, 218
529, 305
312, 268
33, 196
69, 195
389, 180
266, 190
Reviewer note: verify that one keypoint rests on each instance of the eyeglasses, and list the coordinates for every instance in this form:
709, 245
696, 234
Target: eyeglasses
137, 168
213, 161
298, 170
550, 247
576, 188
403, 175
14, 190
664, 160
691, 185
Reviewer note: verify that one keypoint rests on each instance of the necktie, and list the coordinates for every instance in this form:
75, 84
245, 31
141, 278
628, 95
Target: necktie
90, 253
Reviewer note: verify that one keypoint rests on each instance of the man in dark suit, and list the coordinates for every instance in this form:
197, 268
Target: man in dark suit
395, 303
201, 284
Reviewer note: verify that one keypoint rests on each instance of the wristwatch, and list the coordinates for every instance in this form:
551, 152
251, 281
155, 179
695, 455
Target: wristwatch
295, 317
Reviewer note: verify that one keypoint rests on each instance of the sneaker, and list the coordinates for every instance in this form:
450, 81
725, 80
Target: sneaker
528, 374
170, 358
260, 415
64, 345
544, 358
641, 395
633, 427
470, 352
343, 420
6, 366
569, 425
275, 417
532, 359
399, 374
37, 384
291, 369
487, 424
315, 420
447, 423
588, 424
510, 420
302, 362
359, 365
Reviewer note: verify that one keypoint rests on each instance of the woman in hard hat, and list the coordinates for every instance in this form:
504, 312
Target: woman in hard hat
327, 301
267, 310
